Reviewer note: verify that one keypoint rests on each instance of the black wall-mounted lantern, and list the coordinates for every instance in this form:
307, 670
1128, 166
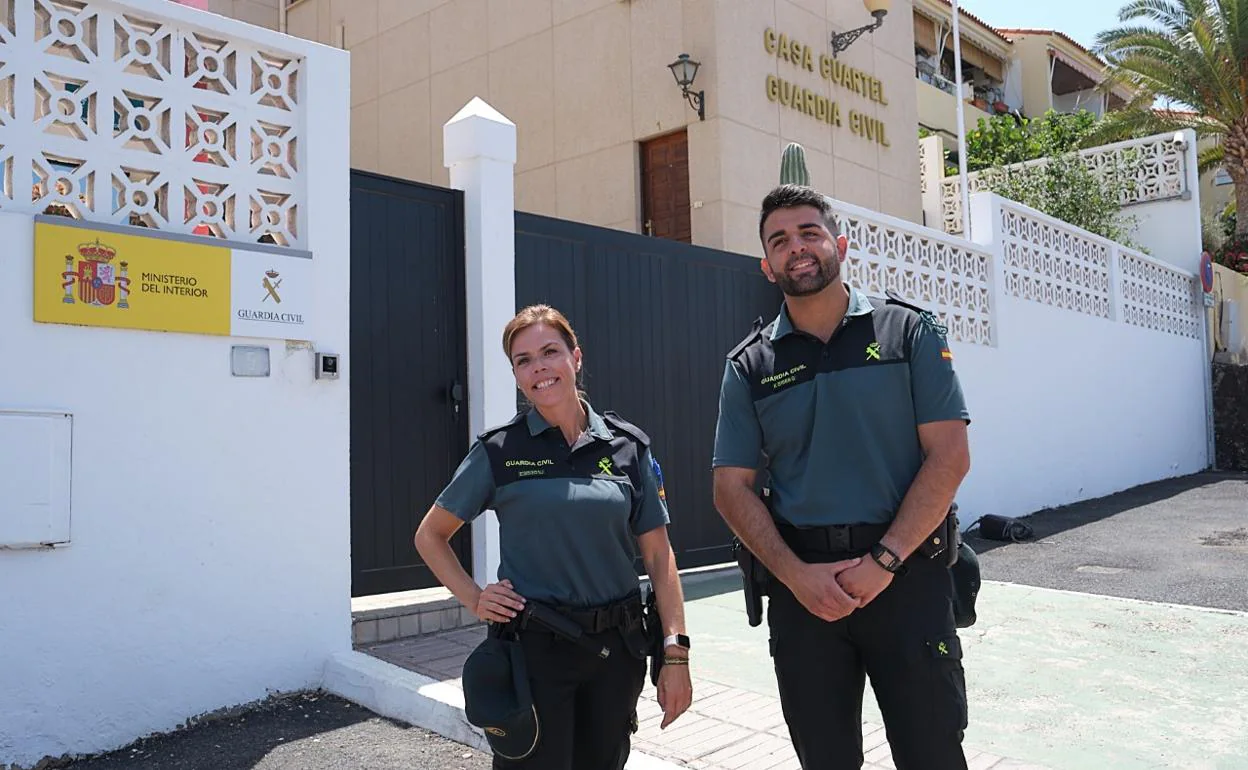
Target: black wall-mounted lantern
685, 70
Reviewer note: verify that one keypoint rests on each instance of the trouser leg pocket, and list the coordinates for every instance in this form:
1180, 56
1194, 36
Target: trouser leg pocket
949, 681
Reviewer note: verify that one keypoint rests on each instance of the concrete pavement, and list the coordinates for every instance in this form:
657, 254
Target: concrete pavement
1101, 678
729, 726
1115, 675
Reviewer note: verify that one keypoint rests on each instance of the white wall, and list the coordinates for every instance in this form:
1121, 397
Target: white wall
1069, 406
1170, 229
209, 563
1065, 405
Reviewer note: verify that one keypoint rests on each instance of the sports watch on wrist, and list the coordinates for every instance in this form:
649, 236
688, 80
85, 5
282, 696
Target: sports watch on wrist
676, 640
884, 556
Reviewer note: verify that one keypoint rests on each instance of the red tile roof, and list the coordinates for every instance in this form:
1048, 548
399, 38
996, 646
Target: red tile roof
1008, 32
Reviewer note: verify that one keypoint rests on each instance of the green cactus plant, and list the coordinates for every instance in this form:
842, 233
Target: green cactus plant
793, 165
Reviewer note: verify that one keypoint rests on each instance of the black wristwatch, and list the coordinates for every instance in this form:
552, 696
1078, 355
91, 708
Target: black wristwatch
884, 556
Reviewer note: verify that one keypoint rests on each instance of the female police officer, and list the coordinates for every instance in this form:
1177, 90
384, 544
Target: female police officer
575, 492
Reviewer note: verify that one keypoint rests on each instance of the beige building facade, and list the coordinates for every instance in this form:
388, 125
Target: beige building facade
605, 135
1057, 73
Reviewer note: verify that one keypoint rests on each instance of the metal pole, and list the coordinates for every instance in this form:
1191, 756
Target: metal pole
1206, 361
957, 72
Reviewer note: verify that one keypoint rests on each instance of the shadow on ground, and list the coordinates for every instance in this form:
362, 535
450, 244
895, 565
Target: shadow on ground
1181, 541
1052, 521
304, 731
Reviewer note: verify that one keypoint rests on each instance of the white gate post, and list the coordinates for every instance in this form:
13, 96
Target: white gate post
931, 178
479, 148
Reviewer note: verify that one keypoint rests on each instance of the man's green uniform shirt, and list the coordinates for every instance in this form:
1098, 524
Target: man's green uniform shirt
836, 425
568, 517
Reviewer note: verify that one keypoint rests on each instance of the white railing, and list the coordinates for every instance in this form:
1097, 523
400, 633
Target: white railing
114, 117
951, 199
925, 150
1048, 261
949, 276
1053, 263
1159, 174
1156, 296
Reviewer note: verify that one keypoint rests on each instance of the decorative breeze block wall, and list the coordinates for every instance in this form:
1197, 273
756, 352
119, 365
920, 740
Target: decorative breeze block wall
110, 117
949, 276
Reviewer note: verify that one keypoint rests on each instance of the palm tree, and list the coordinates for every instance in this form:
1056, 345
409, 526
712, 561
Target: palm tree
1194, 57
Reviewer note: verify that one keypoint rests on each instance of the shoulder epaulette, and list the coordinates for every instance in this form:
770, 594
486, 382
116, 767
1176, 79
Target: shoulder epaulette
756, 333
483, 435
895, 299
624, 426
926, 316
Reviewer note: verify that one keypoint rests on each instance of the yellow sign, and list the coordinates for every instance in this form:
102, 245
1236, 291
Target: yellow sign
816, 105
94, 278
830, 68
90, 277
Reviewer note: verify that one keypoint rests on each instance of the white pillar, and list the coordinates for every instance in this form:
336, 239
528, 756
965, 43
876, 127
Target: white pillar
957, 71
480, 150
931, 180
985, 219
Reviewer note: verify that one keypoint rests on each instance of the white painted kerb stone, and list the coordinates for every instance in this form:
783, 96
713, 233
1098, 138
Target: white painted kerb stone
421, 701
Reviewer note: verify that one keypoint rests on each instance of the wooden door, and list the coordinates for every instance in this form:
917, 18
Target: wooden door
665, 187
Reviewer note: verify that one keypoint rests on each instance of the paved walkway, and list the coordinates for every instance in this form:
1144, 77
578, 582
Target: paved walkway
727, 728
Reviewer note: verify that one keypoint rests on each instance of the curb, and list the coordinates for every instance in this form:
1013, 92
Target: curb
422, 701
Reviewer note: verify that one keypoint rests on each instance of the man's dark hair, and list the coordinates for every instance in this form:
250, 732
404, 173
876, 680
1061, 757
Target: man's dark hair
788, 196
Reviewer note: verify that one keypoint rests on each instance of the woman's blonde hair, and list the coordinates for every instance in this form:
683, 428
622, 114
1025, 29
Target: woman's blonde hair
538, 314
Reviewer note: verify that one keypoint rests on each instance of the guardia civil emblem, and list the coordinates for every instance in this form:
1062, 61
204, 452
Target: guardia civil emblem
99, 281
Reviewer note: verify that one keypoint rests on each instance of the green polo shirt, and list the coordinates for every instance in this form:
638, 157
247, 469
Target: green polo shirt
568, 516
836, 425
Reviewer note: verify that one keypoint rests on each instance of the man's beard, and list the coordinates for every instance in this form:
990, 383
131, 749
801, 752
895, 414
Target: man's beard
812, 283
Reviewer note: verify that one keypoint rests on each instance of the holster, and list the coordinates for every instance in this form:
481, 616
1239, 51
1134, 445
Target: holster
652, 627
560, 625
944, 542
754, 580
945, 545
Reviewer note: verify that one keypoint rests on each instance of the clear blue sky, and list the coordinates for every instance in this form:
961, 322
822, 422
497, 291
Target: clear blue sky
1080, 19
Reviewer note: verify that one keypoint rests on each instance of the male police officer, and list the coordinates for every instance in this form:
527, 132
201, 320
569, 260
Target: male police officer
854, 408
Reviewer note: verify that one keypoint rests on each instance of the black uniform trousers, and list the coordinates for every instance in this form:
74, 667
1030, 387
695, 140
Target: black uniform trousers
905, 640
586, 705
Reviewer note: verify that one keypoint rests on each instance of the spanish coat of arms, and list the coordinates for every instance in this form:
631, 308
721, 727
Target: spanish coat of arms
99, 281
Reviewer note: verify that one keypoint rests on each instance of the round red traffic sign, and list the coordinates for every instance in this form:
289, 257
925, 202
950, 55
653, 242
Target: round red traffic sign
1206, 271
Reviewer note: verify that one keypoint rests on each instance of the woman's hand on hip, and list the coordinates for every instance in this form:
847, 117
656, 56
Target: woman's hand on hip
499, 603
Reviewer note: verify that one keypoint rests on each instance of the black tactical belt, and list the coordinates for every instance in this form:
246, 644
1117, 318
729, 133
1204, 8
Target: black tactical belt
596, 620
836, 538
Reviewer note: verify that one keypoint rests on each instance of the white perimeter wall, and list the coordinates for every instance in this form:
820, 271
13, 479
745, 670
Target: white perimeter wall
1071, 407
1066, 404
209, 562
